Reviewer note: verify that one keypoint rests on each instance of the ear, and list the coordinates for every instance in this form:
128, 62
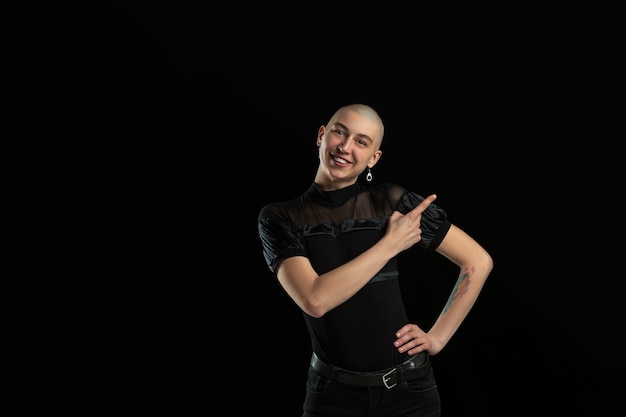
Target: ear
375, 158
320, 133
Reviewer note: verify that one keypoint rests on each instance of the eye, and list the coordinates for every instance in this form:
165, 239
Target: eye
339, 132
363, 141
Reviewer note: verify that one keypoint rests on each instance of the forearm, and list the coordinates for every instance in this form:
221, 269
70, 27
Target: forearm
403, 231
338, 285
462, 298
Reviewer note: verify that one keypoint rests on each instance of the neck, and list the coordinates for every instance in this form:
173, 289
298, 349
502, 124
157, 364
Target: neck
330, 184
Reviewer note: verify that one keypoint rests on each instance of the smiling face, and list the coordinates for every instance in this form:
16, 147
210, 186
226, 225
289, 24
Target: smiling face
348, 144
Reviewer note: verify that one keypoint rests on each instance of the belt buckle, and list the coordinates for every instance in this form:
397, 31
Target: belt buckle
386, 379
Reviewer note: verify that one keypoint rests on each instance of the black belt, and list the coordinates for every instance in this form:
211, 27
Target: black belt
413, 368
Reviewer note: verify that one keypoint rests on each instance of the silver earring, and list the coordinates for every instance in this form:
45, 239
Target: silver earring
369, 176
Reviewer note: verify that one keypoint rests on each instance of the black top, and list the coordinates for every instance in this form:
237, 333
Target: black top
331, 228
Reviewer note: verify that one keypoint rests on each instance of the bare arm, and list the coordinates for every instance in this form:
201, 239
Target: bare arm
475, 265
317, 294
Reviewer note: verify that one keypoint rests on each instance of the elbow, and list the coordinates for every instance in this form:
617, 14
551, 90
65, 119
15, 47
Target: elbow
478, 264
486, 263
314, 308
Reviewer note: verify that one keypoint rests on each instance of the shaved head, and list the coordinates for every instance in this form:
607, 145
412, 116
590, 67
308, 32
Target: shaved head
364, 111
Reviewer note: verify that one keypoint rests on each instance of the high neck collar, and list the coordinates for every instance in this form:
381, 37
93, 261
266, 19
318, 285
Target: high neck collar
334, 197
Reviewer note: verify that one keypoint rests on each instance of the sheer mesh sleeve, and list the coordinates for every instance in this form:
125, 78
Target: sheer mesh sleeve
278, 240
434, 223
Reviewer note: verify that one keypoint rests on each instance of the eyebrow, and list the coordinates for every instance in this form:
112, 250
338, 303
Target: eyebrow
361, 135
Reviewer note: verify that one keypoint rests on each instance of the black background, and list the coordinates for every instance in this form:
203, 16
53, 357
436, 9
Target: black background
505, 129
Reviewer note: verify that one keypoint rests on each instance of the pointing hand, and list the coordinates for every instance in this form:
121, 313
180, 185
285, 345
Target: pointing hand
404, 229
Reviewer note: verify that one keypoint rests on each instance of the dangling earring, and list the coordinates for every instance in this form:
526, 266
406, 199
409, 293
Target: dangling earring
369, 176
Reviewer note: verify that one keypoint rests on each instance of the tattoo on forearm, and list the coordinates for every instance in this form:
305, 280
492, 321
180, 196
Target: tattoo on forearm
461, 286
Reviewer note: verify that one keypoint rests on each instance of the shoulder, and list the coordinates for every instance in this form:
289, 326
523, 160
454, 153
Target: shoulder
390, 191
276, 209
388, 188
281, 209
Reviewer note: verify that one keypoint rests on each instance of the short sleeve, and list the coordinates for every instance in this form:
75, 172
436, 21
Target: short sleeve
434, 223
278, 240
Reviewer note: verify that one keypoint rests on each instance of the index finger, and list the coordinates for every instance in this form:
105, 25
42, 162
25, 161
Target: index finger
419, 209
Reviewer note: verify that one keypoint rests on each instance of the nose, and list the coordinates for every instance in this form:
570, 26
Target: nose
343, 147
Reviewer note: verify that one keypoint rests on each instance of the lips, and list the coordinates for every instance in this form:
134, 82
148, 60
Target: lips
339, 160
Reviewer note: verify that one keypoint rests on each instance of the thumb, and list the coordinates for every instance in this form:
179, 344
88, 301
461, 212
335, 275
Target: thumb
395, 215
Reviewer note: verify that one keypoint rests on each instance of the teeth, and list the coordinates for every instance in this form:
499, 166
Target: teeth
341, 160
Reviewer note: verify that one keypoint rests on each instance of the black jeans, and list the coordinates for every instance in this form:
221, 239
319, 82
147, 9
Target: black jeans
416, 398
